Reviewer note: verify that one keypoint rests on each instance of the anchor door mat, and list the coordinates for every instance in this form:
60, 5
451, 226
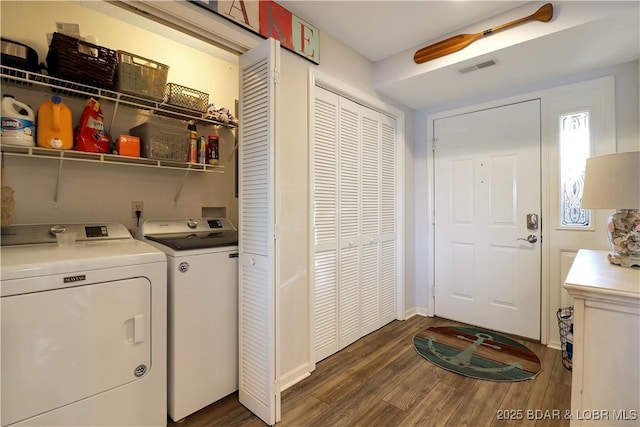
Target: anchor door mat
477, 353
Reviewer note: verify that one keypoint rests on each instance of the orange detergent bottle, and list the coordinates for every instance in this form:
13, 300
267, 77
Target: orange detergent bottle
55, 125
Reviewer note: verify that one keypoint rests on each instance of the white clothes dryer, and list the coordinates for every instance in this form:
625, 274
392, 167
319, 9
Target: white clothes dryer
202, 278
83, 327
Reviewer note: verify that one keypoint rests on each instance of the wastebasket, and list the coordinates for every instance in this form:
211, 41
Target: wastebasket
565, 323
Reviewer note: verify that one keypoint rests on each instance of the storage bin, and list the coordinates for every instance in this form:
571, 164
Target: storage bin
162, 141
140, 76
184, 97
82, 62
128, 145
565, 323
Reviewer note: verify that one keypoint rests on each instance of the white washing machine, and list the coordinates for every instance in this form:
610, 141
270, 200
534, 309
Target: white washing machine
202, 278
83, 328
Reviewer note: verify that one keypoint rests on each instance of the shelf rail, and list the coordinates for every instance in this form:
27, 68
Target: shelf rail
22, 78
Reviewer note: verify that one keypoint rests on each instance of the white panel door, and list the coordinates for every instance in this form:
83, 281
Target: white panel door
259, 388
487, 179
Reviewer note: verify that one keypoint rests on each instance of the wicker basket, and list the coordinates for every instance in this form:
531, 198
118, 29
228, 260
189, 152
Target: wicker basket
141, 76
187, 98
82, 62
162, 141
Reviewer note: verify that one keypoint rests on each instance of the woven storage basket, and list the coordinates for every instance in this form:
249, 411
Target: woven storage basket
82, 62
185, 97
140, 76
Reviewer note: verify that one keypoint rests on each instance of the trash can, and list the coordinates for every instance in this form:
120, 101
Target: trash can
565, 323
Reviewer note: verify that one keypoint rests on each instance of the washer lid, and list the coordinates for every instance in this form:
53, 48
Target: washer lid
202, 240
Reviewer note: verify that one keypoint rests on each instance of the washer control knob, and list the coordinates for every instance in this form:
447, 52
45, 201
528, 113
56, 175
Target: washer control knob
192, 224
57, 229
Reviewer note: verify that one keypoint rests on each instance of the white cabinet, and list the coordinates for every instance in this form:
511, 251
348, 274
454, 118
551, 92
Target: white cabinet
605, 386
354, 221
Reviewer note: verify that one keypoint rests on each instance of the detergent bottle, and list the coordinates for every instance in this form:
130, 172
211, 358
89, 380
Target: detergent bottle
55, 125
18, 122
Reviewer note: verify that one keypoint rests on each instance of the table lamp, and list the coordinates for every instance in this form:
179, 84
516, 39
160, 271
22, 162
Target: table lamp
612, 181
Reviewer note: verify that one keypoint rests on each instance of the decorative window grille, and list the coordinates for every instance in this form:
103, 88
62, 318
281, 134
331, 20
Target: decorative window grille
575, 147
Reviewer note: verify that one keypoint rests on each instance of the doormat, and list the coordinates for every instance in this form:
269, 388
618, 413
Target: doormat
477, 353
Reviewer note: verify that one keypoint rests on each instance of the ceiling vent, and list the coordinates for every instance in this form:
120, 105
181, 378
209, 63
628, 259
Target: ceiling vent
479, 66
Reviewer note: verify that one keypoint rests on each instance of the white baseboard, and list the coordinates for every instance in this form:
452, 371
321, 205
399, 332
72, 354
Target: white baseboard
423, 311
416, 311
410, 313
555, 345
294, 376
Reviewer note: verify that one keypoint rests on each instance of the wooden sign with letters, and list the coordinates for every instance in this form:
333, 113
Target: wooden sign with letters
268, 19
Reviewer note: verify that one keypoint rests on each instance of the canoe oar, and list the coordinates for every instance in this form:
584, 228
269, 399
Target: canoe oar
459, 42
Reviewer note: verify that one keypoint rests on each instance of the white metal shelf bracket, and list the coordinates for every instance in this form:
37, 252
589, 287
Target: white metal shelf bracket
184, 180
56, 193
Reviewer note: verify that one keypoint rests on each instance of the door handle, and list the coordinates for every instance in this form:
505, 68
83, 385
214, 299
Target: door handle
531, 238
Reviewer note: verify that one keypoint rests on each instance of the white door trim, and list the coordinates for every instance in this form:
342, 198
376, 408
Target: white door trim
545, 323
318, 78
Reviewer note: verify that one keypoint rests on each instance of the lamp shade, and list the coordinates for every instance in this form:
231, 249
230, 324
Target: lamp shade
612, 181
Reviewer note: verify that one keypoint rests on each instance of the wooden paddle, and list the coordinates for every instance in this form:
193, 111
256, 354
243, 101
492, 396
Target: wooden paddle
459, 42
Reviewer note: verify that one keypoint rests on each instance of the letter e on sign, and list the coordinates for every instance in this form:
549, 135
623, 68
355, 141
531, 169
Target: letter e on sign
306, 39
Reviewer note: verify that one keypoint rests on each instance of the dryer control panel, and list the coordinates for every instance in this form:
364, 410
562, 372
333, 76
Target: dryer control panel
29, 234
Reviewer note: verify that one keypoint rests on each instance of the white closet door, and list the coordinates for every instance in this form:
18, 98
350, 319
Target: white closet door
258, 366
349, 219
325, 182
370, 221
388, 220
355, 221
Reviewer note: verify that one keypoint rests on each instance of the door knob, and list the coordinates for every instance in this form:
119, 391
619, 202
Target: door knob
531, 238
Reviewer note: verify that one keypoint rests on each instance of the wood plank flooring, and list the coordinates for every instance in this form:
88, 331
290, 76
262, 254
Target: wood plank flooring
380, 380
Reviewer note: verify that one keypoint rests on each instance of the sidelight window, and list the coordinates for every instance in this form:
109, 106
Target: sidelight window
575, 147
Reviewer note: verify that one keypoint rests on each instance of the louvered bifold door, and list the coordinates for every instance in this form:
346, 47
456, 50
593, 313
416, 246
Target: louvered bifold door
370, 221
388, 220
349, 220
259, 390
325, 224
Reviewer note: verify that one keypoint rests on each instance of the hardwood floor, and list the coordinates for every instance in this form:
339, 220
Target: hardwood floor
380, 380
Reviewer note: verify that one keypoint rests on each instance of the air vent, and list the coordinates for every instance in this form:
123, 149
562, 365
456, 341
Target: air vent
479, 66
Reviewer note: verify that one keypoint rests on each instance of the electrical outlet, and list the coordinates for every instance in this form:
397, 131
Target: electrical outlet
136, 206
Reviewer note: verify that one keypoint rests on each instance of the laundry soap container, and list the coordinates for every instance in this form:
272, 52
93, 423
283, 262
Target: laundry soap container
18, 122
55, 127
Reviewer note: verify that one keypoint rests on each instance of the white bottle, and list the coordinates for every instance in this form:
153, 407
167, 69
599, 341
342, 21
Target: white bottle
18, 122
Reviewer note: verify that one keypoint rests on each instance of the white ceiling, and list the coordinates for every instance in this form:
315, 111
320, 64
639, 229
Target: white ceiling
377, 29
582, 36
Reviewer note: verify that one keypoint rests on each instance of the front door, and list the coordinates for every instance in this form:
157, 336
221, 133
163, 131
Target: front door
487, 218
